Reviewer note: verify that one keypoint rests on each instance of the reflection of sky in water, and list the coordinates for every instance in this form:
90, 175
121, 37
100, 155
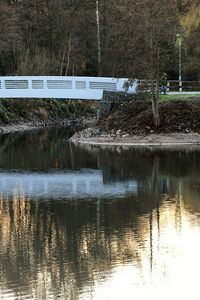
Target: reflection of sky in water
169, 265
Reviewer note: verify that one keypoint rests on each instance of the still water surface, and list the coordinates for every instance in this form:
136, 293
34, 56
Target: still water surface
87, 223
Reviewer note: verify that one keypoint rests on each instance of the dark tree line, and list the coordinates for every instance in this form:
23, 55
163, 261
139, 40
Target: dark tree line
138, 37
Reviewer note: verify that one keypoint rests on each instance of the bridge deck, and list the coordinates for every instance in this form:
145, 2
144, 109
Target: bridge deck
63, 87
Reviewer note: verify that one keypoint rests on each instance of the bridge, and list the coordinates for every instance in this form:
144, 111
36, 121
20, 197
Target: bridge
62, 87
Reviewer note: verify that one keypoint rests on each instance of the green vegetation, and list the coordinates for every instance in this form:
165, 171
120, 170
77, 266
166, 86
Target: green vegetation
27, 110
186, 97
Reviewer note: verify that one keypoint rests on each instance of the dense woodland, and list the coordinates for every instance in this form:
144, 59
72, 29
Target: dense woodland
137, 37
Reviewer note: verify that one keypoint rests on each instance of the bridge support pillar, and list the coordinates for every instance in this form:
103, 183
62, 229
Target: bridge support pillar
103, 110
110, 99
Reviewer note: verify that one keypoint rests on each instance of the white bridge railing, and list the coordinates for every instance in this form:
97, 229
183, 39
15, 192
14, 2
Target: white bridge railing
63, 87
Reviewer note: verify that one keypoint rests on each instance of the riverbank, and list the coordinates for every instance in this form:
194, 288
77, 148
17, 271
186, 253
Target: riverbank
22, 115
132, 124
39, 124
84, 137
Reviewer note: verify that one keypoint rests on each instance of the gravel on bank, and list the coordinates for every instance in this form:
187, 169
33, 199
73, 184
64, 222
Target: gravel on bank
29, 126
87, 137
78, 122
132, 124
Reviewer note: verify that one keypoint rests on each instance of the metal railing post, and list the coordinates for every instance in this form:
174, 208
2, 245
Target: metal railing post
168, 86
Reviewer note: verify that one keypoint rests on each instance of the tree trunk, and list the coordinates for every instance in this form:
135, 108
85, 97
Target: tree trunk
155, 106
98, 39
68, 54
63, 59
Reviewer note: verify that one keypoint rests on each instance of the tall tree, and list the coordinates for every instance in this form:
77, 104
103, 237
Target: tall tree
190, 22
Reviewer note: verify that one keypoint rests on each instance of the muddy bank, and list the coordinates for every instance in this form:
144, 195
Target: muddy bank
136, 118
132, 124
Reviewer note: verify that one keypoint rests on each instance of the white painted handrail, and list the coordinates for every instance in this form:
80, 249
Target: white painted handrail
63, 87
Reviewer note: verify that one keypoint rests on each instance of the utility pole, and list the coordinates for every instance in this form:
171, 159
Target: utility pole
179, 37
98, 38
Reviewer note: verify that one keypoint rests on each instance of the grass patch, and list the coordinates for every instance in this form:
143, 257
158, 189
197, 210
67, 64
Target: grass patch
164, 98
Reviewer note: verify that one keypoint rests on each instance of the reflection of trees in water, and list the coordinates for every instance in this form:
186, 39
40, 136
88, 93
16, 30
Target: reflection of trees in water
48, 149
60, 241
52, 245
43, 149
190, 189
64, 247
120, 163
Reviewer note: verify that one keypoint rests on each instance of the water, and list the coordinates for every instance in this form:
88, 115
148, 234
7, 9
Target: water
87, 223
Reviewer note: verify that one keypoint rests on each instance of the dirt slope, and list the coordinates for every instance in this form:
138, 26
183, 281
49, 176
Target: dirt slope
136, 118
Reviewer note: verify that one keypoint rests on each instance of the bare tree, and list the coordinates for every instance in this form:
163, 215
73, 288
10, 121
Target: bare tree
98, 38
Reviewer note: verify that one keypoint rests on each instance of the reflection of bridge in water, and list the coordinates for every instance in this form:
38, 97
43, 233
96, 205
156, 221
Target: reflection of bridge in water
76, 184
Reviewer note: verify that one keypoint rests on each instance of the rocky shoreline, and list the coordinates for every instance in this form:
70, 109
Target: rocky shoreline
25, 127
34, 125
94, 136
